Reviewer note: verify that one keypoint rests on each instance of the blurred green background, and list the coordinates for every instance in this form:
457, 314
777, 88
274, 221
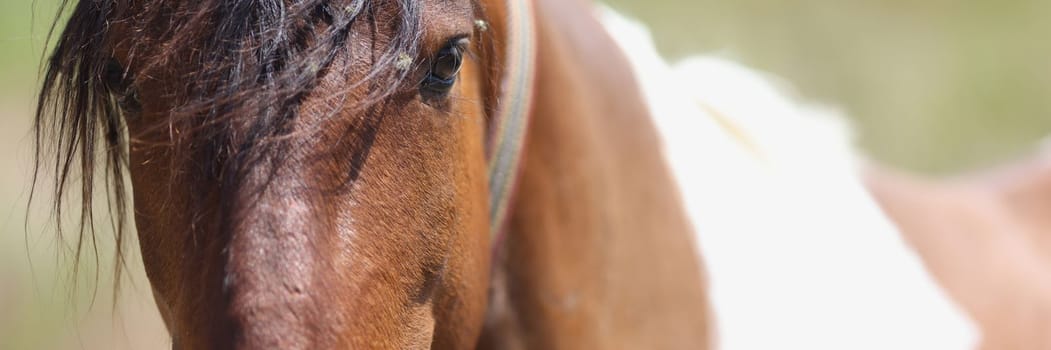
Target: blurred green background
933, 85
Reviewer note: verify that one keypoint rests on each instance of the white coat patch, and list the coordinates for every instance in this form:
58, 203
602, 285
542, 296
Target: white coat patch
799, 255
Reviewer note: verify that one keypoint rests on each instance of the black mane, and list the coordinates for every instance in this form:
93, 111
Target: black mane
246, 61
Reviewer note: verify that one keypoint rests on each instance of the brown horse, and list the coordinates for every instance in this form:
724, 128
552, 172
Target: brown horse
314, 174
335, 173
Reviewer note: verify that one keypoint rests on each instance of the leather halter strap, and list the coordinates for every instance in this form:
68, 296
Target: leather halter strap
512, 117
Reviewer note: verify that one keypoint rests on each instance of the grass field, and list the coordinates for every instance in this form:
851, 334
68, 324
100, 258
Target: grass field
933, 85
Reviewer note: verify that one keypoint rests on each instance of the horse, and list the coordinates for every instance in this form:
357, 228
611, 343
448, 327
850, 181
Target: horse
317, 174
812, 245
405, 174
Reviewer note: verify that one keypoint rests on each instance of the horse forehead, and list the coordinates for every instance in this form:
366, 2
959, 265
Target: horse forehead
438, 11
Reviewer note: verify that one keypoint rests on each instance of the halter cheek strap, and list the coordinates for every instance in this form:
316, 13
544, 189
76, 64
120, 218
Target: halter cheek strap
513, 110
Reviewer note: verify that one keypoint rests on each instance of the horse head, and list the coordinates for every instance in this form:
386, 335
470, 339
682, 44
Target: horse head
305, 174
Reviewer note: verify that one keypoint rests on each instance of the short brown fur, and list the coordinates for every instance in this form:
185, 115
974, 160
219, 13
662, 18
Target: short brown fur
293, 190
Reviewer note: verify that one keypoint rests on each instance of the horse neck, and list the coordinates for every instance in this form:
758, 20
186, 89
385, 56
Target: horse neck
599, 252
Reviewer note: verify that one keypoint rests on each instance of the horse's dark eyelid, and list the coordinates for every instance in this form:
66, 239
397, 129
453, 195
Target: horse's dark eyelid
438, 86
446, 67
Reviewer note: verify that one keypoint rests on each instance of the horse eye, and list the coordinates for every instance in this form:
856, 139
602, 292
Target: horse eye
446, 68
